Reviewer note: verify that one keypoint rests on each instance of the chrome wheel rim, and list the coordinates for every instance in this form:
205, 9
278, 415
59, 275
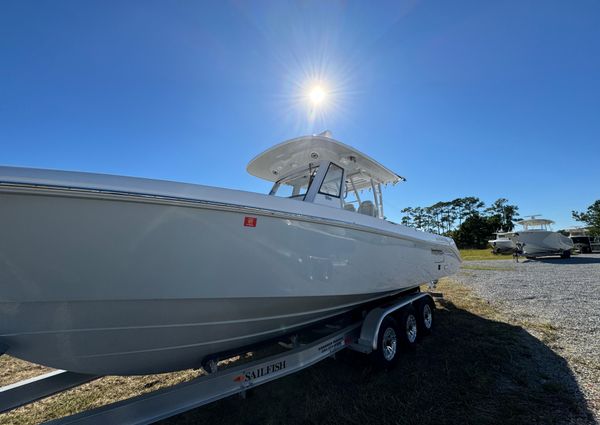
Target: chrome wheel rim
427, 316
411, 328
389, 344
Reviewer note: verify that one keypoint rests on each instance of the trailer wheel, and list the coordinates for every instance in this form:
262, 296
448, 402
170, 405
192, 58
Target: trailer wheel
388, 344
566, 254
425, 309
409, 326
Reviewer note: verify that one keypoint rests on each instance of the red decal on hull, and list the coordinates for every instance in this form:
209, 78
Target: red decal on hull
250, 221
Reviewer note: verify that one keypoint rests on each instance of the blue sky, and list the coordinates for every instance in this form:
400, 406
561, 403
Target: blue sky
464, 98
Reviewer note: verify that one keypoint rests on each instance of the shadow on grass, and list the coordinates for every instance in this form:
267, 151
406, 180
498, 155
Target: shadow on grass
580, 259
471, 371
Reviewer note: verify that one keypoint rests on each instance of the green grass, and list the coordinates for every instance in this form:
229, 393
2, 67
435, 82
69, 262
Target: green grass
481, 254
476, 368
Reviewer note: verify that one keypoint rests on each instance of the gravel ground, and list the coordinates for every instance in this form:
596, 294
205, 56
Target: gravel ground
558, 297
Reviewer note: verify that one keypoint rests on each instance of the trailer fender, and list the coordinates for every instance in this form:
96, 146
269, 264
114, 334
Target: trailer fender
369, 331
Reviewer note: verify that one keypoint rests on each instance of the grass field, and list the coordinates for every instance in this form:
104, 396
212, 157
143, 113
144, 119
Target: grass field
481, 254
475, 369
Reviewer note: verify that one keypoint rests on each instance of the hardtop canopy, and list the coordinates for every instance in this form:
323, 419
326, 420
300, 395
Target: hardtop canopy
296, 154
533, 222
578, 231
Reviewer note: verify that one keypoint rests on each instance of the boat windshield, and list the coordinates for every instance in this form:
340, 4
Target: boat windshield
295, 185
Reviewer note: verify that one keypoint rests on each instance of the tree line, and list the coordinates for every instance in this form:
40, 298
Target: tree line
467, 220
591, 217
471, 224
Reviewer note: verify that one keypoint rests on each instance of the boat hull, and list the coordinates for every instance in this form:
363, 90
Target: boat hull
110, 284
151, 336
542, 242
501, 246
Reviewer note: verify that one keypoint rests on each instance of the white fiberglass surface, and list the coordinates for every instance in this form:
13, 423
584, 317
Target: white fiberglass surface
286, 157
98, 183
153, 336
74, 248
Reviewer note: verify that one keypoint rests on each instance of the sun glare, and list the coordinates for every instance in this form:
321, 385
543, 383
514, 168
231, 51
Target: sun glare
317, 95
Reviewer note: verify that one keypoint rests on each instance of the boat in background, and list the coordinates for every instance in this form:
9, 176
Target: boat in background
583, 241
502, 244
112, 275
537, 239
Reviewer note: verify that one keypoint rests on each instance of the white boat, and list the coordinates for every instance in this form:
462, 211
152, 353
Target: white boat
104, 274
537, 239
502, 244
583, 241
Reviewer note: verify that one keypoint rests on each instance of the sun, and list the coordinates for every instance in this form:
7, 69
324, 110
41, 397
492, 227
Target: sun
317, 95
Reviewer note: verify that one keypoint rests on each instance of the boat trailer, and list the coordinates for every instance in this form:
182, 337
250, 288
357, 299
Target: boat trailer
365, 336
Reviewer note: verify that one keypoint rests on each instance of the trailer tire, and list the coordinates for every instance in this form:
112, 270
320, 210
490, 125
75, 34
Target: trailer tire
409, 327
388, 344
425, 320
566, 254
